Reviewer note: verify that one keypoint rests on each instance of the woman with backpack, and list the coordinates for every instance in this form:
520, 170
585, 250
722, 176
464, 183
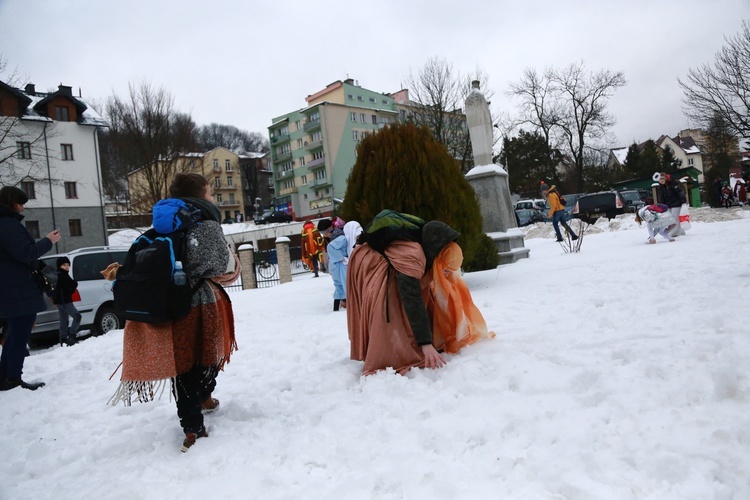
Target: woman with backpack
557, 213
189, 351
20, 297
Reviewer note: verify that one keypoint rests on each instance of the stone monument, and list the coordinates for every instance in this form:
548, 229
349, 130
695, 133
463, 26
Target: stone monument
490, 182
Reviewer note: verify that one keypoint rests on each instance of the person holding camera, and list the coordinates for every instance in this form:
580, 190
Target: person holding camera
20, 296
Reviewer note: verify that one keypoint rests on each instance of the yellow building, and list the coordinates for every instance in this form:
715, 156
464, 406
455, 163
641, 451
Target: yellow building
220, 166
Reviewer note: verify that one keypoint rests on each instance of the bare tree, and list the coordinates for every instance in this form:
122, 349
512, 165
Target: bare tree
723, 90
148, 134
540, 106
232, 138
584, 119
22, 151
568, 107
437, 94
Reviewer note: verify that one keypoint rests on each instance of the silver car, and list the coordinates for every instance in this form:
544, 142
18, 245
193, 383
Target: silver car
97, 303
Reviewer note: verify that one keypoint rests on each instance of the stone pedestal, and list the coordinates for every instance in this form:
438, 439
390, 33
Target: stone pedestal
490, 183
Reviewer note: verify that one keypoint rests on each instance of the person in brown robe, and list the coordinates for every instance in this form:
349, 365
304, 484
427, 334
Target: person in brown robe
386, 315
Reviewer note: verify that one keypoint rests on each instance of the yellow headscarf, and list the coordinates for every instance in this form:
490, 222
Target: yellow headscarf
455, 318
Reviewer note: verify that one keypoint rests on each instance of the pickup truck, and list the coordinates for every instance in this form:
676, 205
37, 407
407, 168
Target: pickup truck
590, 207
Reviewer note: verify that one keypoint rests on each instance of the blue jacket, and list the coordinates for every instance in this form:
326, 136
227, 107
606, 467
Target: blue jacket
19, 295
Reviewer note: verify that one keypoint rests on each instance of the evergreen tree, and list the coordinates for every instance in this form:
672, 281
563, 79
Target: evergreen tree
528, 160
402, 167
649, 160
668, 160
723, 150
632, 160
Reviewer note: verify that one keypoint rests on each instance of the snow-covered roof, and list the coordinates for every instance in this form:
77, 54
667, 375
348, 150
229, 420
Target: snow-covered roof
87, 114
620, 154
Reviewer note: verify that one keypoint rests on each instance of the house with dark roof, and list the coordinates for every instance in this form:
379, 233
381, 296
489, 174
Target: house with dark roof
49, 147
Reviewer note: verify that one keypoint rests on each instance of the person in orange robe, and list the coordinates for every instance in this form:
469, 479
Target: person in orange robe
456, 320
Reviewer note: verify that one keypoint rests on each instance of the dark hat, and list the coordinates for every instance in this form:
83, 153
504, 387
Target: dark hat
324, 224
62, 260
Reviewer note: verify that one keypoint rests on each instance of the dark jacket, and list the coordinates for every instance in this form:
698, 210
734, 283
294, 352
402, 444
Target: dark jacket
64, 288
671, 194
435, 235
19, 294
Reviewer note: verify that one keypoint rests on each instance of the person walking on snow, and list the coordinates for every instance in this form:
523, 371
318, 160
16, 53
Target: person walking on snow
670, 193
740, 194
64, 290
557, 213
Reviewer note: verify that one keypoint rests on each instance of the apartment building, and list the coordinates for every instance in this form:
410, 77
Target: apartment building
314, 149
49, 147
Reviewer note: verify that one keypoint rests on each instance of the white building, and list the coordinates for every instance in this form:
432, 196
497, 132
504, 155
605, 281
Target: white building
49, 147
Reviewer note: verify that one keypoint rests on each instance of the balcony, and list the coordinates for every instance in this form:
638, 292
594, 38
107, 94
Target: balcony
279, 139
315, 124
282, 157
288, 191
314, 145
284, 174
228, 203
225, 188
321, 182
316, 164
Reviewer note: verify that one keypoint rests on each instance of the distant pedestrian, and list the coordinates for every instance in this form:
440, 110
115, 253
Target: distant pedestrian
312, 246
63, 299
726, 195
20, 297
557, 213
740, 194
718, 186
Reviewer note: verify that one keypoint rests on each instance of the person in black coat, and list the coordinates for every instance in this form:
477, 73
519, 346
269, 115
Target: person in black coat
20, 297
64, 290
671, 194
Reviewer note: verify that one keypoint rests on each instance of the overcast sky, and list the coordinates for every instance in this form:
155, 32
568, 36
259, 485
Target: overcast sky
243, 63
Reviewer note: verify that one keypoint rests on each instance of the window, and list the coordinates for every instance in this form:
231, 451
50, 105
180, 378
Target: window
70, 190
372, 99
228, 165
299, 143
28, 188
67, 151
302, 161
353, 116
217, 181
304, 180
24, 150
374, 119
61, 113
288, 184
317, 155
298, 124
320, 174
691, 161
349, 96
317, 136
360, 98
32, 226
219, 197
229, 182
231, 198
216, 164
75, 227
362, 117
385, 101
356, 135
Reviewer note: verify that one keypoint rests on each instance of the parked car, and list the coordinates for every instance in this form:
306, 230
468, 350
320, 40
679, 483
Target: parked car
590, 207
633, 200
529, 203
97, 303
273, 216
570, 203
526, 216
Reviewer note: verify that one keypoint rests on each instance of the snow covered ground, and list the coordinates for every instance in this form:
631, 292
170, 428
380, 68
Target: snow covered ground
621, 372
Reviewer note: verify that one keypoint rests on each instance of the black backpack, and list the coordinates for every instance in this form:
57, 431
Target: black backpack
144, 289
